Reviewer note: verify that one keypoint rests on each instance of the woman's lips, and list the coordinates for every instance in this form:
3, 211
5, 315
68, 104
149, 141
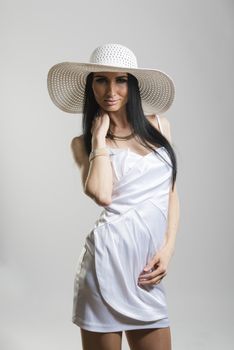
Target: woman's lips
110, 103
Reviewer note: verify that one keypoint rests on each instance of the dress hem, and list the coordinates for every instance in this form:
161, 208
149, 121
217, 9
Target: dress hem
96, 328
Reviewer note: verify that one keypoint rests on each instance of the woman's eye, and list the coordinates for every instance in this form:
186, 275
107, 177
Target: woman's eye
121, 80
100, 79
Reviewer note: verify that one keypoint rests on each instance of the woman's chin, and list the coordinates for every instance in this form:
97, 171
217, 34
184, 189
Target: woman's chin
112, 108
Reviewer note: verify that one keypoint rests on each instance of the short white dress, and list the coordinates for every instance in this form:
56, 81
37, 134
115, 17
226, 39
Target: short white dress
124, 238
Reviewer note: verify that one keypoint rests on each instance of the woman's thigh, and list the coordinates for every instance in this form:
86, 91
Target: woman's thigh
101, 341
150, 339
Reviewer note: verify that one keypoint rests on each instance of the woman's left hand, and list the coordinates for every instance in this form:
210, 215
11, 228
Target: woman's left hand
158, 265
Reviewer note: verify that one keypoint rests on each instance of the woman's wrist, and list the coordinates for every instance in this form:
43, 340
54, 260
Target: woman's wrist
170, 247
168, 244
98, 142
99, 148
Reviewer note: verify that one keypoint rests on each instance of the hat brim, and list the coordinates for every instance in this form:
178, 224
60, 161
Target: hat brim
66, 85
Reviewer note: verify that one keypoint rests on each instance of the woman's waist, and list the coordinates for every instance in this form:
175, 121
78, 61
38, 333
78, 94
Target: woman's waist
119, 208
149, 211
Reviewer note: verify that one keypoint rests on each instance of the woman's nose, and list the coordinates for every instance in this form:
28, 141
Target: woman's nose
111, 87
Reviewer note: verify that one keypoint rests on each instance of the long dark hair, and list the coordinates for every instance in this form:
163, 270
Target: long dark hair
135, 116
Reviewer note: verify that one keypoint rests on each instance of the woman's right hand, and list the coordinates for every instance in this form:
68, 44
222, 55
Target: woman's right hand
100, 125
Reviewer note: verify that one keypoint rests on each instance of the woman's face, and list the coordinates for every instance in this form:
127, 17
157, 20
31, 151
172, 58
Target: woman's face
110, 90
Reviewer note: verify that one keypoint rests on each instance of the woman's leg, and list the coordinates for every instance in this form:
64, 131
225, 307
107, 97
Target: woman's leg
150, 339
101, 341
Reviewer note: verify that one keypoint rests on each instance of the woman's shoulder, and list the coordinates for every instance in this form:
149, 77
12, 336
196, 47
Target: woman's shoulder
78, 149
163, 119
77, 140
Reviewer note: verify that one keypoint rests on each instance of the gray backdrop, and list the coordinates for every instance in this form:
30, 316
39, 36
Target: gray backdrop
44, 214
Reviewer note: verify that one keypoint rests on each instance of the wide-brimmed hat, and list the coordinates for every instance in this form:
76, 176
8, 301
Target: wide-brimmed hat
66, 80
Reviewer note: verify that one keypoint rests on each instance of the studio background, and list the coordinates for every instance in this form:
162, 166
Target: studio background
45, 216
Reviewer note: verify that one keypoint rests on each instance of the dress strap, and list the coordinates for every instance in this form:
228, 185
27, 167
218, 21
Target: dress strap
159, 123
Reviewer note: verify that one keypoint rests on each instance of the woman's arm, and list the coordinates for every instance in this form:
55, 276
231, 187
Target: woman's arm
174, 205
173, 219
99, 180
97, 174
159, 262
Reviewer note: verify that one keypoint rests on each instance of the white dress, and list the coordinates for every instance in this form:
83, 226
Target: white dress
125, 237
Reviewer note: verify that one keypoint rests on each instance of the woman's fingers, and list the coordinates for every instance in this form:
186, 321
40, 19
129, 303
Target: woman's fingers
154, 280
153, 277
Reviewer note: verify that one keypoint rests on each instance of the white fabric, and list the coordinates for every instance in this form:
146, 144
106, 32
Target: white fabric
127, 234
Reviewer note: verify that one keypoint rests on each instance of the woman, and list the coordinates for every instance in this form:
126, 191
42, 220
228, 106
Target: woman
128, 166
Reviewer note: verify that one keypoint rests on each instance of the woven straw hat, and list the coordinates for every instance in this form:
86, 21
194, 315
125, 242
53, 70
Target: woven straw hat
66, 81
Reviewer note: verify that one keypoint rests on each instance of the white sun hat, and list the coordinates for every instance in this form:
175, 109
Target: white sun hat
66, 80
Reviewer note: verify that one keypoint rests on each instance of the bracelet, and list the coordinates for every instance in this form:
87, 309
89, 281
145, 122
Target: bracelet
91, 158
98, 151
